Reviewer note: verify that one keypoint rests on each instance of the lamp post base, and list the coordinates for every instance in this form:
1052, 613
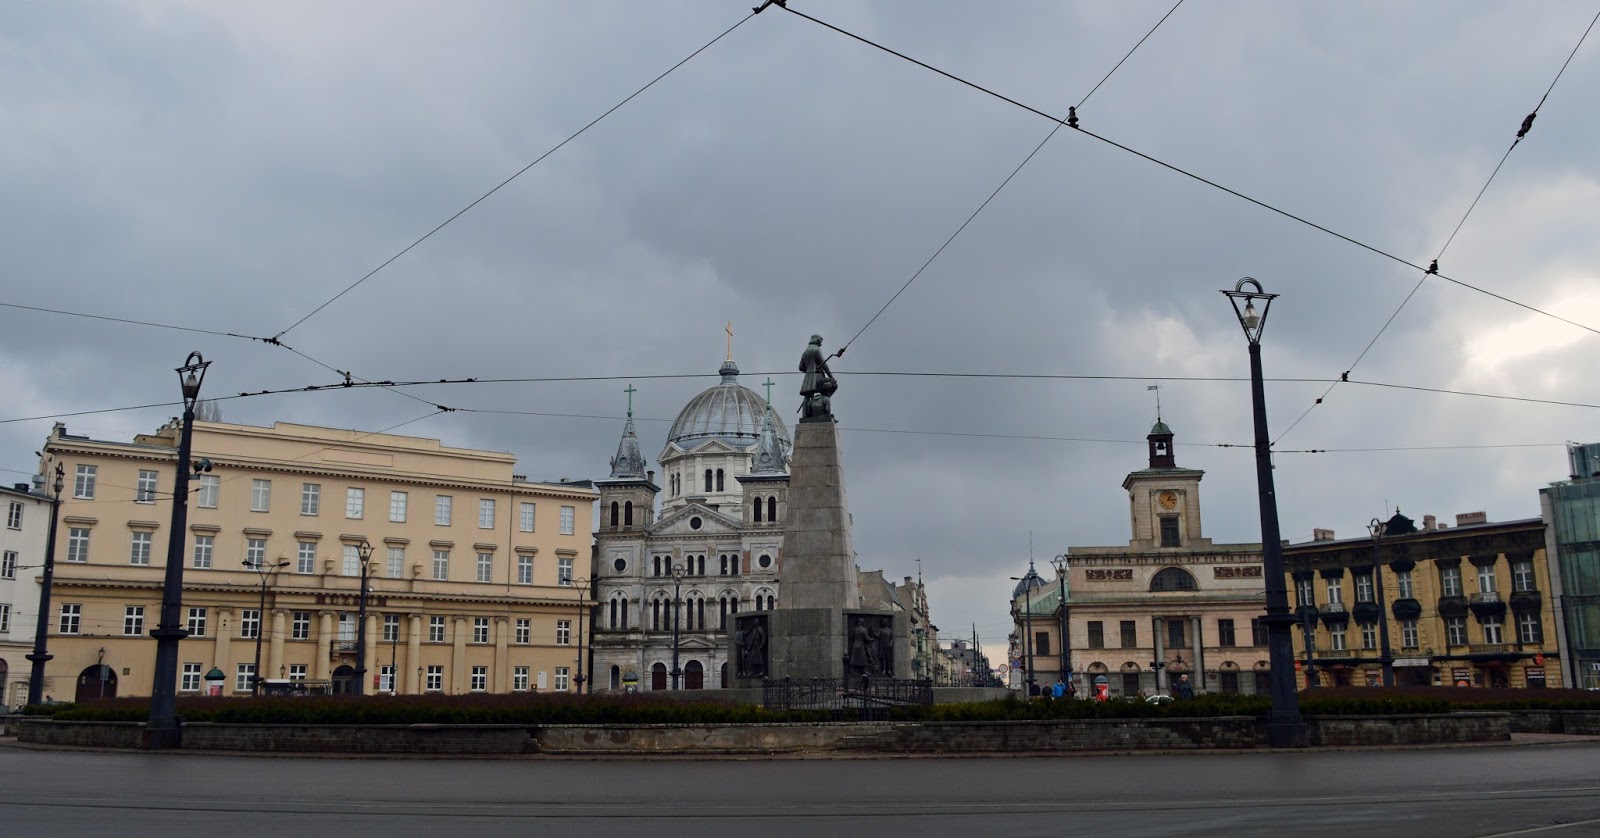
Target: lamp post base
162, 738
1286, 733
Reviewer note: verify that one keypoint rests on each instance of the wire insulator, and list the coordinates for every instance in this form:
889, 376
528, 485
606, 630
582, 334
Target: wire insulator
1527, 125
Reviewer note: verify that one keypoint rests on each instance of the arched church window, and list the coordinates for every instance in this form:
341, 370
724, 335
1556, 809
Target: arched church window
772, 509
758, 510
627, 513
622, 608
708, 480
614, 508
1172, 579
612, 623
719, 480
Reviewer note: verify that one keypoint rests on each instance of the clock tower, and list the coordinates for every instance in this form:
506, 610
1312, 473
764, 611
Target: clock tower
1164, 500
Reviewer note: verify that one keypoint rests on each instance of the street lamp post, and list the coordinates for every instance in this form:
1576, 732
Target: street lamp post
1286, 728
161, 731
264, 570
677, 589
41, 632
583, 605
1060, 563
1027, 632
1385, 654
365, 550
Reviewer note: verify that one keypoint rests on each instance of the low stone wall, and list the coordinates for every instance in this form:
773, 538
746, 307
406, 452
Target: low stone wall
1417, 729
1055, 736
1582, 722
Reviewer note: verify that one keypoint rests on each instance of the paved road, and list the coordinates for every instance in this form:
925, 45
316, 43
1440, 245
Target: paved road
1493, 791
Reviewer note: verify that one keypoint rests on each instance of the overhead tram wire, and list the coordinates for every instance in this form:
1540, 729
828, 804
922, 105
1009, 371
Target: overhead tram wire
1522, 131
1071, 123
992, 195
132, 322
519, 173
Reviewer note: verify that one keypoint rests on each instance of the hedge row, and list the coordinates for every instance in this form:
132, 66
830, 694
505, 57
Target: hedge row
645, 709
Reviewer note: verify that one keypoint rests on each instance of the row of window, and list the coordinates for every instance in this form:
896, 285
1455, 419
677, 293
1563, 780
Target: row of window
1530, 630
255, 555
694, 564
209, 487
1522, 580
1177, 634
190, 677
71, 623
692, 611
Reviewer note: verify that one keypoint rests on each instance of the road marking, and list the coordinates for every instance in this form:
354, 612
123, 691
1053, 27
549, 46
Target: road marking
1542, 828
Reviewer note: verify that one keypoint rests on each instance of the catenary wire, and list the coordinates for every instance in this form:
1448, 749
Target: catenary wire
134, 322
1186, 173
1527, 125
519, 172
992, 195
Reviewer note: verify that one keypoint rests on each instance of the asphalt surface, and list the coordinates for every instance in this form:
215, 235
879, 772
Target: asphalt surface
1544, 790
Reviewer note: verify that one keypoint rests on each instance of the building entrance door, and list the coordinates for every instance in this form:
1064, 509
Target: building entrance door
694, 676
96, 682
658, 677
344, 680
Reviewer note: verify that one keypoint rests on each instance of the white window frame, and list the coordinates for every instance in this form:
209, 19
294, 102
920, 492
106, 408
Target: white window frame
255, 552
249, 623
436, 630
206, 495
1450, 581
297, 671
1336, 638
1363, 588
196, 623
564, 571
355, 503
1335, 587
5, 617
205, 547
311, 499
519, 679
524, 631
14, 515
139, 548
1455, 631
562, 679
442, 508
396, 565
485, 567
480, 630
1408, 634
1369, 635
397, 507
1403, 584
300, 625
563, 632
486, 513
71, 618
78, 545
568, 515
305, 559
1529, 628
1522, 578
524, 569
441, 565
527, 515
480, 679
1486, 579
244, 674
145, 491
1493, 630
8, 565
133, 621
351, 565
190, 682
260, 495
391, 628
435, 679
83, 481
386, 678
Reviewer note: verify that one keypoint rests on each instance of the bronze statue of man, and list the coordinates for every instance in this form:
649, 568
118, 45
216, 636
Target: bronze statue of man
819, 384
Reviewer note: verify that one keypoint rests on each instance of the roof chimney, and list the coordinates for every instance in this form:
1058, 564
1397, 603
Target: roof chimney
1320, 534
1465, 518
650, 475
1430, 523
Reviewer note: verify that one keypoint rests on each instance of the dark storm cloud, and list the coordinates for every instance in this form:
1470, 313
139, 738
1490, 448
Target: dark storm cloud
233, 166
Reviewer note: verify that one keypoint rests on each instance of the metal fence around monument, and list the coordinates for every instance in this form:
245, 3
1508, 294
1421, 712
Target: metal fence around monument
847, 699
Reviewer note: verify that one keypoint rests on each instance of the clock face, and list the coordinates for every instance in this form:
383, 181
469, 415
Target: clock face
1169, 500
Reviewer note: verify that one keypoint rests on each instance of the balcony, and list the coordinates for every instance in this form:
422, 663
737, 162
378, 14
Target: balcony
1482, 597
1452, 605
1333, 612
1490, 648
1525, 600
341, 647
1487, 603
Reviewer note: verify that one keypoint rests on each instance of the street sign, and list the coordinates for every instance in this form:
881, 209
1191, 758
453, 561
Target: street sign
1002, 669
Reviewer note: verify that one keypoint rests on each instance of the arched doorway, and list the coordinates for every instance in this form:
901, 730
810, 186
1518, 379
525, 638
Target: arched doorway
344, 680
658, 676
96, 682
694, 676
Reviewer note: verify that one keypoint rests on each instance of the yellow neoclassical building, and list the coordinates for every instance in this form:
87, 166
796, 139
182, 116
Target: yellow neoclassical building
470, 566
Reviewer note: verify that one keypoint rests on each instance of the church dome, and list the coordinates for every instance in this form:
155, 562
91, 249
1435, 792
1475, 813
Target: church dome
1031, 582
727, 412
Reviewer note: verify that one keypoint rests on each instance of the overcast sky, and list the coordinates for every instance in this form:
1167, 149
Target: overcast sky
231, 166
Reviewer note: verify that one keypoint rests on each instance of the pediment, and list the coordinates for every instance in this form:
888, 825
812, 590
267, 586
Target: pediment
694, 643
709, 445
712, 522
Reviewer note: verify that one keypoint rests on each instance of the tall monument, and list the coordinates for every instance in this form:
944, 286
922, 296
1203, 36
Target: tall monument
818, 628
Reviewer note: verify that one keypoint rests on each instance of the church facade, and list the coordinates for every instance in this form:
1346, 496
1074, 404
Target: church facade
712, 550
